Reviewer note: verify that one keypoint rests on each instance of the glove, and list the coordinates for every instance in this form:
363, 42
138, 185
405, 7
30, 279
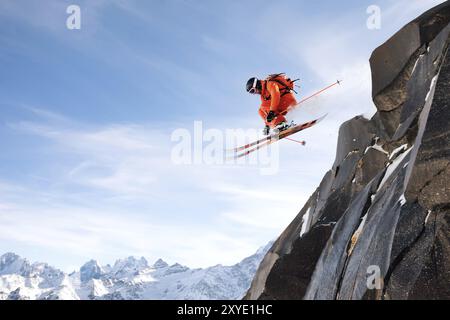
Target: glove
270, 116
266, 130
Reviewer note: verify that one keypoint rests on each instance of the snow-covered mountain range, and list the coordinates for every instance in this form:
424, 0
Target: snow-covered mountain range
129, 278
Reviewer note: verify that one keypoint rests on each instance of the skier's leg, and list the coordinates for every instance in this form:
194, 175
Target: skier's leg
287, 101
263, 115
278, 119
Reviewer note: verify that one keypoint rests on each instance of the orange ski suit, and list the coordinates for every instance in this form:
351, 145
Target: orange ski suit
272, 100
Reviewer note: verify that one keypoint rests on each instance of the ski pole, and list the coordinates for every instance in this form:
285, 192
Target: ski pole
319, 92
312, 96
303, 142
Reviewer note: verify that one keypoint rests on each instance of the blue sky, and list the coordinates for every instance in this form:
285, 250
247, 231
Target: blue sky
87, 115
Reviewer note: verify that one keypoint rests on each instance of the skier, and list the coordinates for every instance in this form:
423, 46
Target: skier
276, 99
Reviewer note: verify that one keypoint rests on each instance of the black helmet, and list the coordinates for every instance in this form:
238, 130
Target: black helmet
252, 85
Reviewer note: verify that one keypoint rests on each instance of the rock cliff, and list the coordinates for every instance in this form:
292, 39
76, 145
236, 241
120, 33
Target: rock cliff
377, 227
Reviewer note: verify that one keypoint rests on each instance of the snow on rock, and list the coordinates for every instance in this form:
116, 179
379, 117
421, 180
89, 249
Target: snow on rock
433, 82
398, 150
160, 263
63, 292
402, 200
98, 288
91, 270
391, 167
415, 64
428, 215
50, 277
21, 280
305, 222
176, 268
376, 146
129, 267
11, 263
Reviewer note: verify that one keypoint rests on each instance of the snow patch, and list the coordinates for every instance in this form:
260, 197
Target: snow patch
363, 222
332, 223
305, 220
415, 64
143, 278
433, 83
351, 152
391, 167
377, 147
428, 215
398, 150
402, 200
98, 288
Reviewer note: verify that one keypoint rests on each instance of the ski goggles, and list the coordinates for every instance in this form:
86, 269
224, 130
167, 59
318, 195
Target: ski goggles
253, 89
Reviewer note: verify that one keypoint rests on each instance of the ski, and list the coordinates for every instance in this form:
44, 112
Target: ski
246, 146
248, 151
273, 138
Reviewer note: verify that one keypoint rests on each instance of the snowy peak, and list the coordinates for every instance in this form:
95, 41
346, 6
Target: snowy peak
11, 263
159, 264
91, 270
129, 278
175, 268
129, 267
51, 275
163, 269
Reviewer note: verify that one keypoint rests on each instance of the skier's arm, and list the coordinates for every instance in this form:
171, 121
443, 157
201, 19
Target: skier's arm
263, 115
274, 96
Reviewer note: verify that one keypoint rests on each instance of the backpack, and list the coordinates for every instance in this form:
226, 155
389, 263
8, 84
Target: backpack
286, 84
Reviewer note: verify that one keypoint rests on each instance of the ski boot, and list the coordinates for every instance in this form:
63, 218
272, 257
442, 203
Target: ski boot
281, 127
266, 130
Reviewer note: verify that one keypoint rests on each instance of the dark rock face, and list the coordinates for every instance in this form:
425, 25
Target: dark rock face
15, 295
423, 249
378, 226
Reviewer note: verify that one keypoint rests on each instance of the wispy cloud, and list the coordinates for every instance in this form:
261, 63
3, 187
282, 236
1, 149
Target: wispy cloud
116, 158
108, 235
107, 191
103, 188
